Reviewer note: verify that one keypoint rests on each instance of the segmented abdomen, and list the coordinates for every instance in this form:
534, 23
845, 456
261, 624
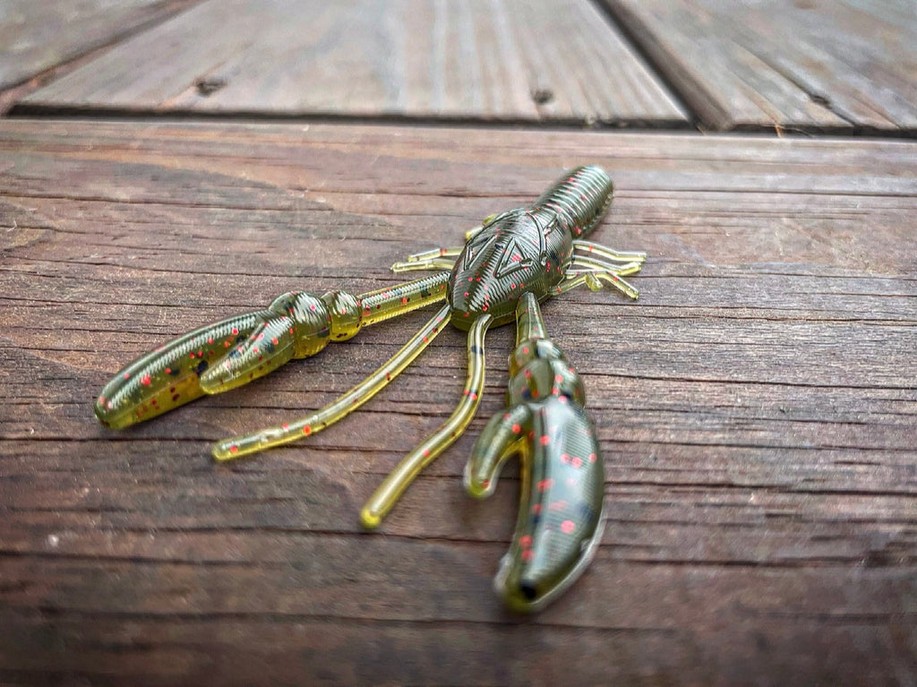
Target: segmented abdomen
579, 200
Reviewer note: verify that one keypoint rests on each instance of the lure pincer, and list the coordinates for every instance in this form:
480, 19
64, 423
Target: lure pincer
560, 507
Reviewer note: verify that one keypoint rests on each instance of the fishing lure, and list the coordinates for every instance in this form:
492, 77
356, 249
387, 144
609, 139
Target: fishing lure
563, 477
537, 249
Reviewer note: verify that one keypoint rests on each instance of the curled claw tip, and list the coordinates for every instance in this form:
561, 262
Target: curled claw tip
370, 519
475, 489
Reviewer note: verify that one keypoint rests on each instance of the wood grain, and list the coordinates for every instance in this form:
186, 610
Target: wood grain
757, 409
812, 65
484, 60
36, 36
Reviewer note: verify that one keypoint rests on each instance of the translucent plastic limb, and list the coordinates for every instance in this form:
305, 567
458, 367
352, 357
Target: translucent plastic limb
471, 233
594, 280
236, 447
599, 250
433, 254
391, 489
583, 264
436, 259
393, 301
505, 435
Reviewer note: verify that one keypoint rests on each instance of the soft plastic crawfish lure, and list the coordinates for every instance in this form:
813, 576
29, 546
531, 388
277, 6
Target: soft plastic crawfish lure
535, 250
563, 476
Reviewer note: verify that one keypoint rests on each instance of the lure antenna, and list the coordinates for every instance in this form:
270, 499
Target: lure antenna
399, 479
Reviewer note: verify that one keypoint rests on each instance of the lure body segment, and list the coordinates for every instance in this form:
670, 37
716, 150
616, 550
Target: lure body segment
562, 474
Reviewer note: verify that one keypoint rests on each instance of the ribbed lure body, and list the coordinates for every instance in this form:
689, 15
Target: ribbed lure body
527, 249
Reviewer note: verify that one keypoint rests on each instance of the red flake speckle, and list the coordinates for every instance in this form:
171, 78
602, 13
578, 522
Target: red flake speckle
307, 430
536, 509
127, 375
545, 440
525, 541
567, 526
527, 555
275, 341
145, 380
233, 449
235, 331
591, 457
516, 428
545, 484
564, 458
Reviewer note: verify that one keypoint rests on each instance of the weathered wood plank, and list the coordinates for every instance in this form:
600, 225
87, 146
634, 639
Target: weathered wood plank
757, 409
482, 60
36, 36
785, 64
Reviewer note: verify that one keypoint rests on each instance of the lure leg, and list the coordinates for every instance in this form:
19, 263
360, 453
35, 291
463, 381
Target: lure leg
594, 281
436, 259
587, 273
588, 248
236, 447
391, 489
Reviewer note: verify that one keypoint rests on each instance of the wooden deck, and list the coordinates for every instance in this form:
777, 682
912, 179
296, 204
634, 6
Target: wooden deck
757, 408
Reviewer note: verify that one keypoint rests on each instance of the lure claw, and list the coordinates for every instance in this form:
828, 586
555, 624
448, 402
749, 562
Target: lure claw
560, 508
